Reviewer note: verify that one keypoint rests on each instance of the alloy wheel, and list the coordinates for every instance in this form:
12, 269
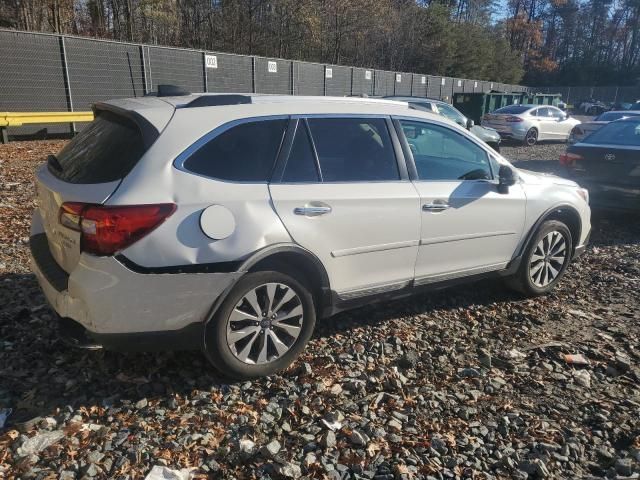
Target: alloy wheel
265, 323
547, 259
531, 138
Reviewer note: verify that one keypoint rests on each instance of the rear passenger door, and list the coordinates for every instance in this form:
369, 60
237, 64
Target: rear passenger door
344, 194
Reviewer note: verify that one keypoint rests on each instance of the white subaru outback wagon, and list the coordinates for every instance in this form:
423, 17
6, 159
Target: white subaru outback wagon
232, 223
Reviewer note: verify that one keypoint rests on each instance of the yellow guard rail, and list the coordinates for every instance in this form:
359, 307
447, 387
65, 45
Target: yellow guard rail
18, 119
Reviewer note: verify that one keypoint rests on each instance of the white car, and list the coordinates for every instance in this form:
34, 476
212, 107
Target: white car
530, 123
232, 223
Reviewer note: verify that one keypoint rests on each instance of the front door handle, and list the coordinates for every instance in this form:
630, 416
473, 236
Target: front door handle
435, 207
312, 210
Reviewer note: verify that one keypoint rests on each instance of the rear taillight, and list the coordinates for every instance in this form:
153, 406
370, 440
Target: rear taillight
569, 159
512, 119
108, 229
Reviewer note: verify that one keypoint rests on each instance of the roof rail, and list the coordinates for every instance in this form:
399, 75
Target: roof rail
217, 100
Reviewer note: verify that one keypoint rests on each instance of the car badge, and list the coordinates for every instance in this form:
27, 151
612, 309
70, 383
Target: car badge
609, 157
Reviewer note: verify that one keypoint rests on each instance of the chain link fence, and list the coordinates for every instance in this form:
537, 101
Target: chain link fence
48, 72
576, 95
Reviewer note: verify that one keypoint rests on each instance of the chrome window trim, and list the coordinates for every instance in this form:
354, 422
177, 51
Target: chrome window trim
180, 160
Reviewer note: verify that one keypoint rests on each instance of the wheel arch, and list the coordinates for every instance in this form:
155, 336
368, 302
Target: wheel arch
298, 262
565, 213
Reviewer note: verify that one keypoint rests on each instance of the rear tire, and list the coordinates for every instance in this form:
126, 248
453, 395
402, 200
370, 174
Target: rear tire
531, 137
261, 327
544, 261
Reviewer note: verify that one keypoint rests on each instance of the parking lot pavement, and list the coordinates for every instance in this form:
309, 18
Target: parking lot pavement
470, 382
542, 157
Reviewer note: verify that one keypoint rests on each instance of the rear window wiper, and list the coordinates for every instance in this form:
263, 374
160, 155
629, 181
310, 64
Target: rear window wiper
53, 162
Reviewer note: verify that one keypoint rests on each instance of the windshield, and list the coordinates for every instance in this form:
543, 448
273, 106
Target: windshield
451, 113
611, 116
513, 109
617, 133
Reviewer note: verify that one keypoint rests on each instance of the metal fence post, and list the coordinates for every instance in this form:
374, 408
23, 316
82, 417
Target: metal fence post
144, 70
204, 72
351, 87
150, 71
324, 81
67, 84
253, 74
293, 80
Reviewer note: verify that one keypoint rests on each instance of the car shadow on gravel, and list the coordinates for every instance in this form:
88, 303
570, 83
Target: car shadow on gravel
40, 375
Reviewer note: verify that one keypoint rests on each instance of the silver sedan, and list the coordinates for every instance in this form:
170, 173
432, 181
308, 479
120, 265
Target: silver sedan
530, 123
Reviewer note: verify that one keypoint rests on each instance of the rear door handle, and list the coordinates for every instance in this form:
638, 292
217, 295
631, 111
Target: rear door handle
435, 207
312, 211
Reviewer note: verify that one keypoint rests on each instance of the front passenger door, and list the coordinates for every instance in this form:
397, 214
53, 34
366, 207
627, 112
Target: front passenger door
467, 227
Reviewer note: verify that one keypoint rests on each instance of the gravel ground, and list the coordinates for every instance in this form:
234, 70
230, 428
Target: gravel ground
470, 382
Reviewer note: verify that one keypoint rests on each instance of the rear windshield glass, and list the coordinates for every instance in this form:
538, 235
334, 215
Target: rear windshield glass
611, 116
513, 109
616, 133
104, 151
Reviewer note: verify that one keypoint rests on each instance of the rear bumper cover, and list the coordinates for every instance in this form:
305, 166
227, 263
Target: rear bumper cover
76, 335
121, 309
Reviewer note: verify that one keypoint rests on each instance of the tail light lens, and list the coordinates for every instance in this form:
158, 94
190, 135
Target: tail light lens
569, 159
512, 119
108, 229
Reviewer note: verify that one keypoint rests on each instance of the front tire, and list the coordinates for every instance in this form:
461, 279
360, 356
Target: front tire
545, 259
531, 137
261, 327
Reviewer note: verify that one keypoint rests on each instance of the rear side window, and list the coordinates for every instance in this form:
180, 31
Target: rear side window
105, 151
354, 149
244, 153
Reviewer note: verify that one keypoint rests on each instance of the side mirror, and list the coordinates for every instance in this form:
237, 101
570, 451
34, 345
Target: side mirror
506, 177
470, 123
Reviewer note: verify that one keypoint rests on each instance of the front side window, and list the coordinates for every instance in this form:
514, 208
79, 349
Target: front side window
354, 149
441, 154
243, 153
556, 113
